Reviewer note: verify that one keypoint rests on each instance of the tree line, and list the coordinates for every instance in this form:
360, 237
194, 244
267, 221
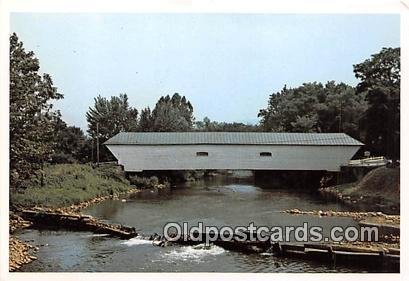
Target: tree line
369, 112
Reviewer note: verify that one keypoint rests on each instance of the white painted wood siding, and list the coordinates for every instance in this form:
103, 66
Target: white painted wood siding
235, 157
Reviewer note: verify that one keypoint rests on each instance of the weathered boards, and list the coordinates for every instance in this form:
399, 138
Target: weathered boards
76, 222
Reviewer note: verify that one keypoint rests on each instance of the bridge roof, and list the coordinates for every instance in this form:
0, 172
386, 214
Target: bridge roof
250, 138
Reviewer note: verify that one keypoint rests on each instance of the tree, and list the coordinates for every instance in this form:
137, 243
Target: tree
112, 117
314, 107
304, 124
380, 83
31, 115
70, 145
145, 120
172, 114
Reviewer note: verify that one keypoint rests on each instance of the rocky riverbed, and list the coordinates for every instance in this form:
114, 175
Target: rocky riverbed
378, 216
388, 238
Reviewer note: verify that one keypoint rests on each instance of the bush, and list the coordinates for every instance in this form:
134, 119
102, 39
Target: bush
61, 158
144, 182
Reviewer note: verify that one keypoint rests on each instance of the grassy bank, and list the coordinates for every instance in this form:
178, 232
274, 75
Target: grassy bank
379, 190
67, 184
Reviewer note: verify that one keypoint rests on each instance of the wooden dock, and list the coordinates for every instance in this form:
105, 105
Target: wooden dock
387, 260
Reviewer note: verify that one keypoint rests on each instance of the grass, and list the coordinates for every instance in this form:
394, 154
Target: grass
379, 189
67, 184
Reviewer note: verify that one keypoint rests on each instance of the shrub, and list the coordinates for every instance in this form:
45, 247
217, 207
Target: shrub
144, 182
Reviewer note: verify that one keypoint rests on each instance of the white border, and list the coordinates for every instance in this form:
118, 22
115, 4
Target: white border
208, 6
196, 6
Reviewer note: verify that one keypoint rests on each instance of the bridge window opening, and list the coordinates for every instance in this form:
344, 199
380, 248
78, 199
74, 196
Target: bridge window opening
202, 153
265, 154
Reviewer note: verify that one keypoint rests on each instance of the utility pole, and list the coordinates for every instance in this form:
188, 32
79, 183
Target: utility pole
97, 144
340, 115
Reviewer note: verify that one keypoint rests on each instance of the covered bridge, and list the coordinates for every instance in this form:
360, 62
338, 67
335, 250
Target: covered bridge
232, 151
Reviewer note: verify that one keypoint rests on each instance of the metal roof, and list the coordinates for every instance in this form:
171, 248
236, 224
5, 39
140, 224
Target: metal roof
180, 138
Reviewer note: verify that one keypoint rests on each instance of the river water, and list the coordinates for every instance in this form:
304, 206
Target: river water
222, 200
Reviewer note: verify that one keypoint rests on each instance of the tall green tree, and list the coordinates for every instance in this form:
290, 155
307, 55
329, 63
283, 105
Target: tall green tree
145, 120
380, 83
314, 107
70, 145
111, 116
172, 114
32, 119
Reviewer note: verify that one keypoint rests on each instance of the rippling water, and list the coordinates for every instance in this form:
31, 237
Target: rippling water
220, 201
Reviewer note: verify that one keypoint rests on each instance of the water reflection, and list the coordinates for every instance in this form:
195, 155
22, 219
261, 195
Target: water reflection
219, 202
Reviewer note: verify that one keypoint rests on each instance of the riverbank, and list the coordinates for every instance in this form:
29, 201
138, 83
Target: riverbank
67, 189
379, 190
68, 184
20, 253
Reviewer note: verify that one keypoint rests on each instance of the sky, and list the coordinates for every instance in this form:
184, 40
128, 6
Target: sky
227, 65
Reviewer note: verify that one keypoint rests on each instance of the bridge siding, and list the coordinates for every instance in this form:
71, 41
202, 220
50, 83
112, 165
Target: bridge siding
240, 157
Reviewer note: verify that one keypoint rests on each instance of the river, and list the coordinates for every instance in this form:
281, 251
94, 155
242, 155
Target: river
223, 200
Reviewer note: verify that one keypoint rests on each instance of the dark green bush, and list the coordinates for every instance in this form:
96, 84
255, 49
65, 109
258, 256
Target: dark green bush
144, 182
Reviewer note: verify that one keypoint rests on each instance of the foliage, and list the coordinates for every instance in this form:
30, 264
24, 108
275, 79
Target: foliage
31, 115
144, 182
145, 120
112, 116
70, 145
172, 114
380, 82
213, 126
68, 184
314, 107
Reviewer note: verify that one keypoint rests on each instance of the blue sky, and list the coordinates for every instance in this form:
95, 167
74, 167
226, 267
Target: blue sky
225, 64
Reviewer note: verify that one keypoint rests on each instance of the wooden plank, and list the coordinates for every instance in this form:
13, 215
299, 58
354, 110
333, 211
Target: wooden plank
292, 247
323, 255
318, 246
358, 258
356, 249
